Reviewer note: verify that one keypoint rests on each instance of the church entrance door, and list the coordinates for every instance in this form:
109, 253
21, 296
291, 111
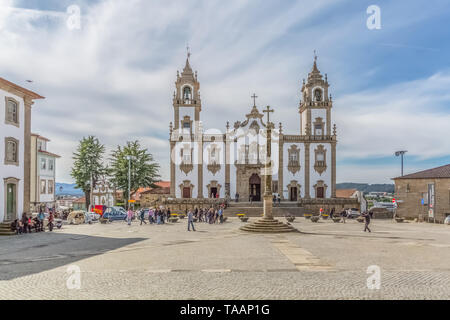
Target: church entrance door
293, 195
186, 193
213, 193
255, 187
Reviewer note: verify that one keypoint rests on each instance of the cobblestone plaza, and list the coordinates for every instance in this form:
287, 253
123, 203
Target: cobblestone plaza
325, 261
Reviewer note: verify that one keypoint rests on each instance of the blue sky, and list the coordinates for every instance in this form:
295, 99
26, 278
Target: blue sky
115, 76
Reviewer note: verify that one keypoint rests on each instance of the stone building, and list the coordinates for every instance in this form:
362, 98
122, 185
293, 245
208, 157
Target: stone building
15, 155
215, 164
424, 195
43, 174
155, 196
103, 194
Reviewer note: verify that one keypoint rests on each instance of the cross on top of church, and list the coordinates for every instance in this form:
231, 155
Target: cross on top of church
268, 111
254, 96
188, 49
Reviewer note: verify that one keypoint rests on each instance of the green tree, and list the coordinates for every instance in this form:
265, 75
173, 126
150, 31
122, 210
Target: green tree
143, 173
88, 165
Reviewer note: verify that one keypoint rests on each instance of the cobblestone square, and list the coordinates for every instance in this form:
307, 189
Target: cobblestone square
325, 261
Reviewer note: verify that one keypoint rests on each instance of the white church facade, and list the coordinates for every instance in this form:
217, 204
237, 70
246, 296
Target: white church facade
208, 163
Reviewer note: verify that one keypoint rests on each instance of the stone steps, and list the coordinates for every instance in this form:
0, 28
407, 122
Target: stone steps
5, 229
268, 226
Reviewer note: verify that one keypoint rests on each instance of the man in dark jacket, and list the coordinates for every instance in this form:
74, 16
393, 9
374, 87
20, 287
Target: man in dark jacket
366, 216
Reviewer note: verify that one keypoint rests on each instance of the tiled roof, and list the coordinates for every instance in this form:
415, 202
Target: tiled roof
49, 154
8, 84
435, 173
345, 193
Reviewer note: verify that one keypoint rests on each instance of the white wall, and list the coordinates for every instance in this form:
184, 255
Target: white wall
287, 175
209, 176
326, 175
17, 172
180, 176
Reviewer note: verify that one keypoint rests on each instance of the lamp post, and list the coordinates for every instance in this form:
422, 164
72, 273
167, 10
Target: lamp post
129, 158
401, 153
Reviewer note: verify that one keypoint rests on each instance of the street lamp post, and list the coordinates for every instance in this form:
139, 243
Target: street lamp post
401, 153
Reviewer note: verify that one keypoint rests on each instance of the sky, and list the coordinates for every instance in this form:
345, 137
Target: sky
114, 76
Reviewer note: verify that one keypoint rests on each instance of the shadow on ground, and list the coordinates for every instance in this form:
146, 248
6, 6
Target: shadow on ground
33, 253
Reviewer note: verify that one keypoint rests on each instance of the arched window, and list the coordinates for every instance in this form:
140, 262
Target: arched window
12, 111
187, 94
318, 95
11, 151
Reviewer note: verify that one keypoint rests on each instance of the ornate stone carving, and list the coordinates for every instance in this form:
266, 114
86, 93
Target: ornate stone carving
213, 168
320, 164
294, 159
186, 167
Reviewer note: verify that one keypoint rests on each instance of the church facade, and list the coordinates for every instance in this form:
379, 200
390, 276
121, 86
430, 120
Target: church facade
208, 163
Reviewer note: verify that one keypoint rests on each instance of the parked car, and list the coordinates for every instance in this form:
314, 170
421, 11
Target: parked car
115, 213
353, 213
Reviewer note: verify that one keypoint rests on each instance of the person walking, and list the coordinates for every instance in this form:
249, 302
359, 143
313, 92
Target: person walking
142, 216
332, 213
190, 217
343, 215
366, 216
129, 216
168, 214
221, 215
41, 217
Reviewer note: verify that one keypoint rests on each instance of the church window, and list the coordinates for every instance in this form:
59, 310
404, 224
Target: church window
294, 159
187, 94
319, 126
318, 95
320, 159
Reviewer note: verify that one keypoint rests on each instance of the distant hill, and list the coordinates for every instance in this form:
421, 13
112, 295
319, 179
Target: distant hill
365, 187
67, 189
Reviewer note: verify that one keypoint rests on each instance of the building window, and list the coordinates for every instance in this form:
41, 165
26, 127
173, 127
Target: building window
11, 151
12, 112
294, 159
320, 164
319, 126
187, 94
43, 164
43, 187
318, 95
50, 165
50, 187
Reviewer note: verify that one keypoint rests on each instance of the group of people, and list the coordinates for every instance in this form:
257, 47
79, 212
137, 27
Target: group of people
211, 215
155, 216
27, 223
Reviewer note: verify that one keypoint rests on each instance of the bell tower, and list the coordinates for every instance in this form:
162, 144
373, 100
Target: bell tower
316, 104
186, 101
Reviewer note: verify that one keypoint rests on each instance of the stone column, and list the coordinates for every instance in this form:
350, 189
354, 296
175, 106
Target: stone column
307, 170
172, 170
333, 169
27, 157
268, 176
280, 166
227, 167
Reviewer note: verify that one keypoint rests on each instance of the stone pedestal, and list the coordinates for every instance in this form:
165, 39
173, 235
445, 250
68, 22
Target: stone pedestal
268, 224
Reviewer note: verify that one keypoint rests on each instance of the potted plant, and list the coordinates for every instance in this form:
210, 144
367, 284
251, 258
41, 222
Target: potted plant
290, 218
307, 215
243, 217
173, 218
325, 216
315, 219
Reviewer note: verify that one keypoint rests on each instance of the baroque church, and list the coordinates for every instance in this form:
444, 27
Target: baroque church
229, 164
